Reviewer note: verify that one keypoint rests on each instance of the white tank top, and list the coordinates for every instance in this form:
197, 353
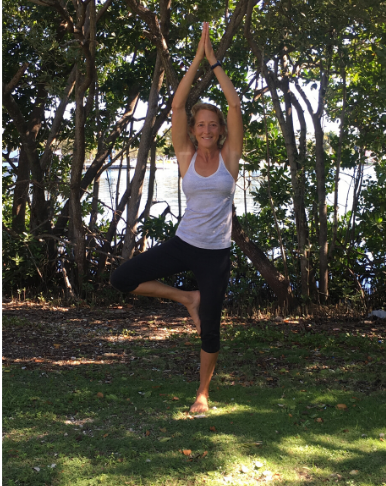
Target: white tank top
207, 222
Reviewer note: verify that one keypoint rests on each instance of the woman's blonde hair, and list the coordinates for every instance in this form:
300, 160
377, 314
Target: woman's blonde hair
208, 106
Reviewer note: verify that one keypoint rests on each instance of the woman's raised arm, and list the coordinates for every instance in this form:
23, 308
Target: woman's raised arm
183, 146
233, 145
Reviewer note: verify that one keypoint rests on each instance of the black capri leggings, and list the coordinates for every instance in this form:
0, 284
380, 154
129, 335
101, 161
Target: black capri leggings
210, 267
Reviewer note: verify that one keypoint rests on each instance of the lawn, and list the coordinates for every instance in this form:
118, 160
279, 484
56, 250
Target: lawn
96, 396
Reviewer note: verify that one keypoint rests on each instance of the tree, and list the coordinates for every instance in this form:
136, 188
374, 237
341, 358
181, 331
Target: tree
300, 44
82, 67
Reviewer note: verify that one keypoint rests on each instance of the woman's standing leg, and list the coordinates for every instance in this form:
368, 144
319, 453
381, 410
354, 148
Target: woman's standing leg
212, 272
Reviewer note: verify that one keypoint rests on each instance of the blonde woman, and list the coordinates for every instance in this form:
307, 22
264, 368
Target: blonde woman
208, 151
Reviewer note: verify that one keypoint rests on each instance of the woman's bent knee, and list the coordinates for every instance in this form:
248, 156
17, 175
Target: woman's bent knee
210, 343
122, 280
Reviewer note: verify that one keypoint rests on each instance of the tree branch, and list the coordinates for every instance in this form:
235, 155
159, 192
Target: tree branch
15, 80
45, 159
157, 37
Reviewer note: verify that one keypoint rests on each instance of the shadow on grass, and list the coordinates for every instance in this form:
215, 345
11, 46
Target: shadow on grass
137, 432
60, 420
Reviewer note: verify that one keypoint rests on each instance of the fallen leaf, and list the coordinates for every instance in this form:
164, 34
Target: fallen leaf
100, 395
175, 399
354, 472
212, 428
382, 439
186, 452
290, 415
37, 469
319, 420
163, 429
164, 439
345, 430
341, 406
156, 386
147, 433
105, 435
57, 346
188, 343
269, 379
204, 454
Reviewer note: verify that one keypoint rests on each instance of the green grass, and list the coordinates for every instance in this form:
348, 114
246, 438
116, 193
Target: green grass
135, 434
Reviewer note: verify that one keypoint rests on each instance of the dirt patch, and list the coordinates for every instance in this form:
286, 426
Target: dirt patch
44, 335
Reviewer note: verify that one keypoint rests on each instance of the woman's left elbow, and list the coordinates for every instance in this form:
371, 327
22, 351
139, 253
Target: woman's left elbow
235, 104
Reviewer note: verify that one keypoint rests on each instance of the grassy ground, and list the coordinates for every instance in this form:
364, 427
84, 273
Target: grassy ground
290, 406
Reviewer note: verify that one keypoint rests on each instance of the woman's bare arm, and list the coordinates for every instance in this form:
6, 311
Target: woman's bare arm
183, 146
233, 145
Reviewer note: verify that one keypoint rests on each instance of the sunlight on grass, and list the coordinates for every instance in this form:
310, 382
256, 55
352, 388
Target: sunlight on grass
266, 425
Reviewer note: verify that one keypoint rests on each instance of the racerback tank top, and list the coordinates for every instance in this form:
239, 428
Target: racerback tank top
207, 222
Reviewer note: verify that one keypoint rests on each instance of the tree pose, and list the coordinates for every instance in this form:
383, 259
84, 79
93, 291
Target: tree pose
209, 166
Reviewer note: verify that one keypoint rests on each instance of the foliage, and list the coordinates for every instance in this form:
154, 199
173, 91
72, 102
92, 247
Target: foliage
302, 40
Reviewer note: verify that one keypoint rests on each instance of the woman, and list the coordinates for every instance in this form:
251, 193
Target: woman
202, 242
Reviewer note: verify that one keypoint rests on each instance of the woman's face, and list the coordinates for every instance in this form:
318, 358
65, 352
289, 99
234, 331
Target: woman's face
207, 129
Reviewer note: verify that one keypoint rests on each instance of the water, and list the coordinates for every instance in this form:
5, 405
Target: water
165, 191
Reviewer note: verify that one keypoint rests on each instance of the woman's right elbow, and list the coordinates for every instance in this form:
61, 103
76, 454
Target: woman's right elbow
178, 106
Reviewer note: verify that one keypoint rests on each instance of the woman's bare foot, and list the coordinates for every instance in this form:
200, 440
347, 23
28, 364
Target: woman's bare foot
200, 405
193, 307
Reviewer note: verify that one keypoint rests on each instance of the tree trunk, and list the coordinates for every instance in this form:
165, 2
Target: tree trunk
112, 230
20, 195
77, 234
322, 205
339, 158
146, 212
320, 178
140, 169
296, 158
103, 153
276, 281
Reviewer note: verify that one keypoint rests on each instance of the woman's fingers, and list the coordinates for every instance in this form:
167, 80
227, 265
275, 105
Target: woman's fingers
209, 53
201, 44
